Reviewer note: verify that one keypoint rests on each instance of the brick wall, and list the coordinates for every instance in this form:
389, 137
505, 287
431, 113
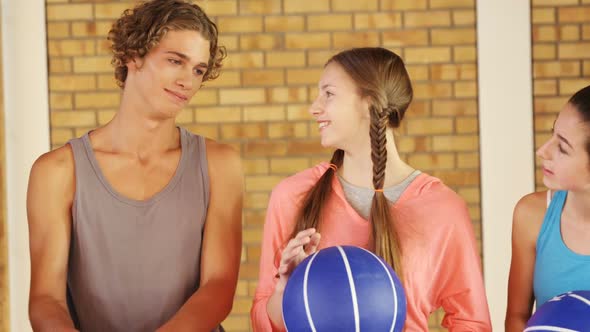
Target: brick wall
259, 104
561, 60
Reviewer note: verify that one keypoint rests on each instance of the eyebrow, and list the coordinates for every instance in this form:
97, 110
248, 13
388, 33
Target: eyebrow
561, 138
325, 86
186, 58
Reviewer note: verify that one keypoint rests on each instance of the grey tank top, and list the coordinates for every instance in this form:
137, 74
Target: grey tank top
133, 264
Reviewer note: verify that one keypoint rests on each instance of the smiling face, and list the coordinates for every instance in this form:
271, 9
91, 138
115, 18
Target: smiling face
340, 111
565, 161
171, 73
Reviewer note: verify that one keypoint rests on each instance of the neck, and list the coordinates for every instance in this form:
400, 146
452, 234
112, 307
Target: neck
133, 131
578, 205
357, 167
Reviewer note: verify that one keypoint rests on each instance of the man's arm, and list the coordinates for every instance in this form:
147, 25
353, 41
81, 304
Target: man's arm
222, 243
49, 198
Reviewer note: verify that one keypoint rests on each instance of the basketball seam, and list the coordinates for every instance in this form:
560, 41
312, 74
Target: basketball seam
392, 287
548, 328
305, 298
578, 297
355, 305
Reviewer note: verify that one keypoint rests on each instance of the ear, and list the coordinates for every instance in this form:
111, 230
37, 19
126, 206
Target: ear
365, 103
134, 64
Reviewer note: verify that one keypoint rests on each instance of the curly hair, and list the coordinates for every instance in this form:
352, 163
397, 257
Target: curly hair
140, 29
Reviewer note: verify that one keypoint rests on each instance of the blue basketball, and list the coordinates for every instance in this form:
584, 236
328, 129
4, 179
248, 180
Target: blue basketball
566, 312
344, 288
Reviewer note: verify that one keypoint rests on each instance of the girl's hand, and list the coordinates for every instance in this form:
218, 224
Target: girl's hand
305, 243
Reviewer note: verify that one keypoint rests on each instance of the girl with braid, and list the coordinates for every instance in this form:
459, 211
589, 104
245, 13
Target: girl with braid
366, 196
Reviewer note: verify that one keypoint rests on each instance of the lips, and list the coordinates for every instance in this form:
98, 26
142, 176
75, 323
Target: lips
323, 124
547, 172
177, 95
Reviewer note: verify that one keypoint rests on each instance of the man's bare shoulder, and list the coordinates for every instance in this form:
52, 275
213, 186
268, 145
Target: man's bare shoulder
222, 155
61, 158
55, 167
225, 164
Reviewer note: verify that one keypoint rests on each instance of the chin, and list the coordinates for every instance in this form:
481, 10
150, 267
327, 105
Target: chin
327, 144
550, 185
170, 111
553, 186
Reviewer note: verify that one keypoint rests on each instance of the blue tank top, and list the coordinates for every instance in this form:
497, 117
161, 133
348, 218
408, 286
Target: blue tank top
557, 268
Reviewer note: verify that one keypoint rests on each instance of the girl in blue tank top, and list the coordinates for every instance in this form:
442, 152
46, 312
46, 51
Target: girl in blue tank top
551, 229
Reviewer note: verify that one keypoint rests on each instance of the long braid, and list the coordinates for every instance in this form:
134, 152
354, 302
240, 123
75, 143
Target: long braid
311, 209
309, 215
378, 145
384, 232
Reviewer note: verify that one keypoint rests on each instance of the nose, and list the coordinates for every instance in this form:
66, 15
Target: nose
316, 108
544, 151
185, 80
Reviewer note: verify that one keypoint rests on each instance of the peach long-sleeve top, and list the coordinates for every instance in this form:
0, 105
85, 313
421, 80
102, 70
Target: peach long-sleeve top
441, 265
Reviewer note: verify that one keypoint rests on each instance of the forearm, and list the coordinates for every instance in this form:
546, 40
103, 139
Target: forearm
515, 323
205, 309
49, 314
274, 308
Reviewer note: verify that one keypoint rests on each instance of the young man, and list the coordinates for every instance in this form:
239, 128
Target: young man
136, 226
